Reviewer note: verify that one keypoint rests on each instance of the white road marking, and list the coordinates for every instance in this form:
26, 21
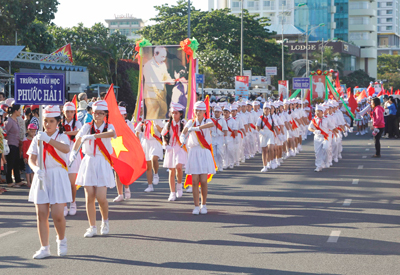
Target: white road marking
333, 238
369, 143
7, 233
360, 166
347, 202
364, 157
367, 149
355, 181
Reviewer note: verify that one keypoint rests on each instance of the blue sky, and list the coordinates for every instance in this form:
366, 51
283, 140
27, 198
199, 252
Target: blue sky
72, 12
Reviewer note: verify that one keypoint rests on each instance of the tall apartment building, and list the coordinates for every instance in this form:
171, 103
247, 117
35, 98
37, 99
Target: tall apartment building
126, 24
388, 27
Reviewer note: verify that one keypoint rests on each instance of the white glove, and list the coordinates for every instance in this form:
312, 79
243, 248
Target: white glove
182, 138
40, 173
43, 137
317, 132
196, 129
88, 137
166, 146
345, 134
72, 156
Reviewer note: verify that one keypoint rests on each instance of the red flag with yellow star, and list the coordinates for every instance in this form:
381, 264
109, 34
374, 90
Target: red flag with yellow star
128, 157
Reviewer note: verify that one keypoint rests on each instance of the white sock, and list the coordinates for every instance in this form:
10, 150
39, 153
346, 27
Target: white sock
92, 226
202, 205
46, 247
156, 175
105, 220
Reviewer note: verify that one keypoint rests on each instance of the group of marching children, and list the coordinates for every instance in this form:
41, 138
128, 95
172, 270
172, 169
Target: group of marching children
329, 126
361, 119
53, 185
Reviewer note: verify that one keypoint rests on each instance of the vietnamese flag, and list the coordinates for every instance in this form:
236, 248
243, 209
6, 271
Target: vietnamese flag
75, 102
128, 157
361, 96
207, 102
352, 103
370, 90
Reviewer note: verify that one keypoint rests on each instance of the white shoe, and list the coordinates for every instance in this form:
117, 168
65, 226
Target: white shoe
299, 147
72, 209
265, 169
156, 179
247, 157
196, 210
179, 191
318, 169
358, 133
65, 211
269, 165
273, 165
340, 156
61, 247
285, 156
335, 160
231, 166
288, 155
90, 232
203, 210
127, 193
292, 153
42, 253
189, 189
237, 164
149, 188
118, 198
172, 196
105, 228
296, 151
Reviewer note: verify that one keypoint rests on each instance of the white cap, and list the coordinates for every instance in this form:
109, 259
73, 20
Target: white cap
200, 105
248, 102
122, 110
51, 111
234, 107
217, 109
176, 107
100, 105
226, 108
69, 106
266, 105
319, 107
213, 104
256, 103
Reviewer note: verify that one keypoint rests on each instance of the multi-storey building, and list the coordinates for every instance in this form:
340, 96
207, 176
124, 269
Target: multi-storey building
126, 24
388, 27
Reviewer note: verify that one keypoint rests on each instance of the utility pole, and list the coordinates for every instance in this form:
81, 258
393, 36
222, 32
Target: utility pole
307, 67
241, 40
188, 18
322, 55
283, 55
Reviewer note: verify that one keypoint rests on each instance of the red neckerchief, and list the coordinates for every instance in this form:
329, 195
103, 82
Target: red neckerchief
47, 148
317, 126
98, 142
219, 126
175, 133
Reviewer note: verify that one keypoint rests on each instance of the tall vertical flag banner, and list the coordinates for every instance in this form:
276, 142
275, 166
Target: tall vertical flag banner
61, 52
128, 157
283, 88
139, 49
207, 102
75, 102
242, 86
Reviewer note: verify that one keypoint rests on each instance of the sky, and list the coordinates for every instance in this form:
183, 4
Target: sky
89, 12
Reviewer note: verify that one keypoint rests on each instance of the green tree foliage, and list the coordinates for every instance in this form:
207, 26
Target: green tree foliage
357, 78
28, 18
389, 70
331, 60
217, 30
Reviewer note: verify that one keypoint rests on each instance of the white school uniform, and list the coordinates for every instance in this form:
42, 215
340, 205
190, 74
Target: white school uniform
239, 139
230, 148
320, 146
151, 146
95, 170
200, 160
331, 125
174, 155
75, 165
267, 137
130, 125
56, 185
218, 141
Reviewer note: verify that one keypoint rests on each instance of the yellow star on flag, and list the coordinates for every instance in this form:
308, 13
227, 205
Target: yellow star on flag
118, 145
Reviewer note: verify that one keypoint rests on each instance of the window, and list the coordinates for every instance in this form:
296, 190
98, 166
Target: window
114, 24
124, 23
282, 3
389, 4
250, 4
389, 12
384, 41
359, 36
389, 19
269, 5
359, 20
235, 5
389, 28
359, 5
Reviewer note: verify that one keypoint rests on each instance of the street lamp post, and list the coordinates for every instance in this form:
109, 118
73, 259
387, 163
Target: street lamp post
307, 35
188, 18
241, 39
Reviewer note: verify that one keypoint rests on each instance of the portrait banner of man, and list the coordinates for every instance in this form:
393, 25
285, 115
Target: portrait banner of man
165, 80
318, 82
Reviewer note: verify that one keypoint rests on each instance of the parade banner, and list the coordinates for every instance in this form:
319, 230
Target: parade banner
39, 89
338, 97
318, 85
283, 88
242, 87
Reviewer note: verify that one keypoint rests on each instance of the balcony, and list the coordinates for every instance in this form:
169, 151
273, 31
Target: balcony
362, 27
365, 43
362, 12
369, 53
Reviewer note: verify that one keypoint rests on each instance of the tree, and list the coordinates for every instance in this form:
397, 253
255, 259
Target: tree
36, 38
218, 30
331, 60
357, 78
388, 64
21, 16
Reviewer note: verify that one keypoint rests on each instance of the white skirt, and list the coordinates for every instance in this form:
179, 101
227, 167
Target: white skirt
75, 165
56, 187
95, 171
174, 156
200, 161
151, 148
266, 137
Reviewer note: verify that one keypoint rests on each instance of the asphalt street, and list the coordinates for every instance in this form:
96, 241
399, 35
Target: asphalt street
292, 220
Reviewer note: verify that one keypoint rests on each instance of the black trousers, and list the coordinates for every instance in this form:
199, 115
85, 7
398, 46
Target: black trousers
13, 164
377, 141
396, 127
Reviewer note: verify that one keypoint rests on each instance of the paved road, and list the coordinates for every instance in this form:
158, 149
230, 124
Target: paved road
344, 220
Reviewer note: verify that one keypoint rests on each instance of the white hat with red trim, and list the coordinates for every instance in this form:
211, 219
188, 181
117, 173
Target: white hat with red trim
69, 106
217, 109
200, 105
176, 107
122, 110
256, 103
51, 111
100, 105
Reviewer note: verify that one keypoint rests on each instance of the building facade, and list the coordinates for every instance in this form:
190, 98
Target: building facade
126, 24
388, 27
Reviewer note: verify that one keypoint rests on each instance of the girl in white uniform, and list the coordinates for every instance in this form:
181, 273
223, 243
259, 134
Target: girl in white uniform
219, 133
71, 127
120, 189
175, 155
265, 126
200, 160
152, 147
56, 191
230, 153
95, 173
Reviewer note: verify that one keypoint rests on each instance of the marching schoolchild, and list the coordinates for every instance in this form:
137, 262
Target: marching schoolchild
265, 126
219, 133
